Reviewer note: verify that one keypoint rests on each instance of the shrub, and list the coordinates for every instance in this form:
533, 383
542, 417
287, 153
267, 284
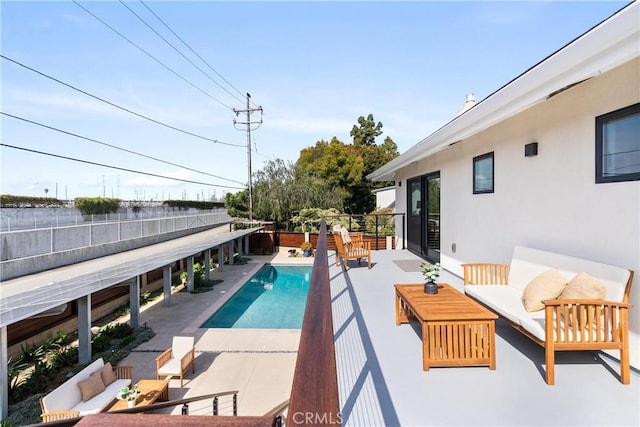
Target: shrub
100, 342
96, 205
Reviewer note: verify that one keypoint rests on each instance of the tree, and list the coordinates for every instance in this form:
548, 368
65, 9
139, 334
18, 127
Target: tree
281, 190
366, 134
336, 163
374, 156
237, 204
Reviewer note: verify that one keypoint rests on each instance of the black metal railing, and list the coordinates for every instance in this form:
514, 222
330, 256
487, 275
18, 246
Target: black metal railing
374, 225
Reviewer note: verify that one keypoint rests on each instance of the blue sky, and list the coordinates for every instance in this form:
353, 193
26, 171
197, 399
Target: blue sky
314, 67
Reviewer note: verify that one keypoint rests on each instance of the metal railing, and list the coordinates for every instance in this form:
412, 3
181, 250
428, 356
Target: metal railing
14, 219
375, 225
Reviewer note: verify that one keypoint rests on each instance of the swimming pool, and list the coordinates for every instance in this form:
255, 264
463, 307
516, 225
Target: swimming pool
274, 298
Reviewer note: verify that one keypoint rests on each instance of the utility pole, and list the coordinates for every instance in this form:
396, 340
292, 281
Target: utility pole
248, 124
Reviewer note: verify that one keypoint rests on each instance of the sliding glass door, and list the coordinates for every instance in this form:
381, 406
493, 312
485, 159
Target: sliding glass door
423, 216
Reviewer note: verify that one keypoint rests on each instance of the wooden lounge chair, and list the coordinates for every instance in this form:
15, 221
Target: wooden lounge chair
175, 360
351, 249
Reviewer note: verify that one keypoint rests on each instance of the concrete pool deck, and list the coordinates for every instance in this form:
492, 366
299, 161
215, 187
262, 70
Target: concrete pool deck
259, 363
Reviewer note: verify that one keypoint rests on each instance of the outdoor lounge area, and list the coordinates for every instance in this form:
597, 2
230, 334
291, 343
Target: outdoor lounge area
380, 372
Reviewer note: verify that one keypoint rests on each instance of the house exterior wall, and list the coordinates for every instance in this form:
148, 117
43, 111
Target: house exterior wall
549, 201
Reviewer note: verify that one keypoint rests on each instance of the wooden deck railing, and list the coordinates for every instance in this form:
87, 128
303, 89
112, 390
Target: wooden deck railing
314, 394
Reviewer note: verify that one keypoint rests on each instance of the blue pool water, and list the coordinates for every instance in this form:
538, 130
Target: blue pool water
274, 298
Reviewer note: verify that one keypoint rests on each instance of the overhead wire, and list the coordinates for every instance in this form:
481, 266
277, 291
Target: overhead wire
193, 51
180, 53
119, 107
116, 147
119, 168
152, 57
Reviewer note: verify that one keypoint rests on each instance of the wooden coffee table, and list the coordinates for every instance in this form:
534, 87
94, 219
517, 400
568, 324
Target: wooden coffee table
148, 392
456, 331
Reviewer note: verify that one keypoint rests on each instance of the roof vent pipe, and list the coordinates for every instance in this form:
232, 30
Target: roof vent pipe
470, 102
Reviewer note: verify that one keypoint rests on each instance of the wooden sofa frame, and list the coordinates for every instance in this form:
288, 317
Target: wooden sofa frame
601, 316
356, 249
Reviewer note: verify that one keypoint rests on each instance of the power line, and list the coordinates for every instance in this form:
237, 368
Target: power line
193, 51
119, 168
152, 57
119, 107
116, 147
178, 51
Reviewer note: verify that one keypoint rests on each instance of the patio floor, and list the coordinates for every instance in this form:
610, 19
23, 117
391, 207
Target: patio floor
381, 381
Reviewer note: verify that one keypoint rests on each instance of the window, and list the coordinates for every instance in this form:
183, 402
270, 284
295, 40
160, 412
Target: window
483, 174
618, 145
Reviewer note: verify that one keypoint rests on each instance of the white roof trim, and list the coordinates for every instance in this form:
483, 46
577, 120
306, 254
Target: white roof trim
610, 44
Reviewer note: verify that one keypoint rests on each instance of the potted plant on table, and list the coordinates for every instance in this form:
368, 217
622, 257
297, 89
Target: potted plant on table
431, 274
128, 394
306, 248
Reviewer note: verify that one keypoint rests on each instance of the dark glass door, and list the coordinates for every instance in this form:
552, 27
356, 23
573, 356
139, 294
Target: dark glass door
431, 217
414, 215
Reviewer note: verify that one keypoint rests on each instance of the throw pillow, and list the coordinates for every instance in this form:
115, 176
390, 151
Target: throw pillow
546, 285
108, 376
584, 286
92, 386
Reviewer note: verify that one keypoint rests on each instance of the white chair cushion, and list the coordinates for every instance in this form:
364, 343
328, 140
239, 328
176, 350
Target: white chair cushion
181, 346
171, 367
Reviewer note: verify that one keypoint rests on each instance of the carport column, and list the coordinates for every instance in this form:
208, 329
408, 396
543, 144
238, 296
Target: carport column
239, 246
220, 257
231, 252
84, 329
207, 265
246, 244
4, 373
190, 273
134, 302
166, 285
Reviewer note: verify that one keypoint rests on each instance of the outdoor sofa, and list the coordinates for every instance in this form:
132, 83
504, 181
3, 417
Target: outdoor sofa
559, 301
90, 391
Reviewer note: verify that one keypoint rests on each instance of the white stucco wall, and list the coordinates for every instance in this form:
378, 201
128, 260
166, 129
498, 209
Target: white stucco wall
549, 201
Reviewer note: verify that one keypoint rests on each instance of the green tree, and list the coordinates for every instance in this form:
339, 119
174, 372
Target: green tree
336, 163
374, 156
280, 190
345, 166
367, 132
237, 204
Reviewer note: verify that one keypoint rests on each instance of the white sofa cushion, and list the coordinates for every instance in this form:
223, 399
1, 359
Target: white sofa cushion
68, 395
102, 400
527, 263
501, 299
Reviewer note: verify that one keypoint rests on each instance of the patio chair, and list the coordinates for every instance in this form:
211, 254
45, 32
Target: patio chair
175, 360
350, 249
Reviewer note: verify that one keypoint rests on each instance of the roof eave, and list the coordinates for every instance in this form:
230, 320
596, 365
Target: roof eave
606, 46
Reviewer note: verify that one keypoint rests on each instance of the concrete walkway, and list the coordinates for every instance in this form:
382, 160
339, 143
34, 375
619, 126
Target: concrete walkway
259, 363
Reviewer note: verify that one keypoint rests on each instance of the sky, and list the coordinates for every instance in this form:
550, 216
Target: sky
313, 68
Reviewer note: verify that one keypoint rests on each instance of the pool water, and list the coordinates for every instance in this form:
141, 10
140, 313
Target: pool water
274, 298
